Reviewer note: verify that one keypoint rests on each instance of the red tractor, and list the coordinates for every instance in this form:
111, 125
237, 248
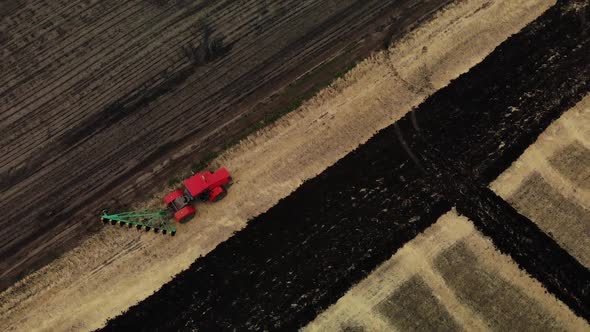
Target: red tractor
204, 186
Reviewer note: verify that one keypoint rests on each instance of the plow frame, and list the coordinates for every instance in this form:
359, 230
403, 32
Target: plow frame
146, 219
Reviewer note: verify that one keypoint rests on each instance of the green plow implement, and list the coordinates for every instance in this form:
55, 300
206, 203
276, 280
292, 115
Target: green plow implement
157, 220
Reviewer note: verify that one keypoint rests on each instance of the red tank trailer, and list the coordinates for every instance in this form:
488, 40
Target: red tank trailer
204, 186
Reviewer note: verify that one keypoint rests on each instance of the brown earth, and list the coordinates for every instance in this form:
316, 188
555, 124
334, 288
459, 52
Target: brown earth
114, 268
449, 278
102, 101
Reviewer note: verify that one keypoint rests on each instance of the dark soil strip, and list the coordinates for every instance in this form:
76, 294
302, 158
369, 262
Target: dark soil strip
532, 249
295, 260
511, 232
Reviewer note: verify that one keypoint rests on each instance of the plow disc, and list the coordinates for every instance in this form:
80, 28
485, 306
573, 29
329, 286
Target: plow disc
156, 220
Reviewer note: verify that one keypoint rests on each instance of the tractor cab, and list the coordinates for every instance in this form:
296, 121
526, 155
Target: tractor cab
204, 186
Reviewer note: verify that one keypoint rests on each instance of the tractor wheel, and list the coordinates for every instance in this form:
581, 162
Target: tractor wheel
185, 214
172, 196
217, 194
204, 196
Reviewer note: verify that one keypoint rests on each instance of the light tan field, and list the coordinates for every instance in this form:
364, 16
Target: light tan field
117, 268
550, 182
448, 278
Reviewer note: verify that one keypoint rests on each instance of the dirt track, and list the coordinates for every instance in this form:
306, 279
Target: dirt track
103, 101
377, 92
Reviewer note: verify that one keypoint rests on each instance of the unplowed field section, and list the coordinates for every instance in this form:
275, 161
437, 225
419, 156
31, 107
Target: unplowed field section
299, 257
109, 98
449, 278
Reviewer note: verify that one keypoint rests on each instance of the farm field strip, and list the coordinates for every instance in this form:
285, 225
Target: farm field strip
270, 165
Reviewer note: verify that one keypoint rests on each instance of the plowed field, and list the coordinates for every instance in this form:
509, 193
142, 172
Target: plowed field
102, 102
113, 269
